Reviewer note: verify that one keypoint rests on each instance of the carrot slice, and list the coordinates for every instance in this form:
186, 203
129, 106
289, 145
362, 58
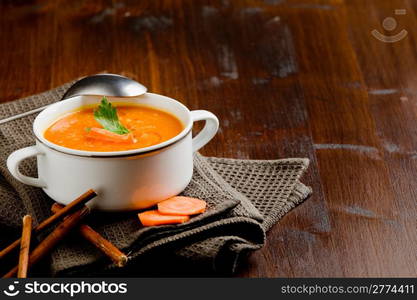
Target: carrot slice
153, 217
108, 136
180, 205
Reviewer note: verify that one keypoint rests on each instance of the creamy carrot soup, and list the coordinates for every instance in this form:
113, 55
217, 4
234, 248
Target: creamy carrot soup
81, 131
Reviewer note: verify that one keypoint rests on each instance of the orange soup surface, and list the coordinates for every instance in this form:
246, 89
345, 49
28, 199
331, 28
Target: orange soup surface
148, 126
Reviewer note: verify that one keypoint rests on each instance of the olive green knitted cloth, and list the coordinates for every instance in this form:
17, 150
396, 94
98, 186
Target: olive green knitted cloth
245, 198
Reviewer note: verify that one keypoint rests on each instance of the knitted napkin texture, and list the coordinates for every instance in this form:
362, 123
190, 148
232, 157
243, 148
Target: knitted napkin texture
245, 199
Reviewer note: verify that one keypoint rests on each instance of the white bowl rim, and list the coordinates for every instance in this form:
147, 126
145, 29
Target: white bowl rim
39, 136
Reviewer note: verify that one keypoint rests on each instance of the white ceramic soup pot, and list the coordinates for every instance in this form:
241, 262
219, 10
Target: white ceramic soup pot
123, 180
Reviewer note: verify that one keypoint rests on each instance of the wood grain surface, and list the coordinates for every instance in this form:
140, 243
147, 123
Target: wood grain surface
287, 78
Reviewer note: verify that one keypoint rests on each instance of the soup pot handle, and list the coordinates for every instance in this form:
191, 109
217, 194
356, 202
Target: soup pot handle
209, 130
14, 160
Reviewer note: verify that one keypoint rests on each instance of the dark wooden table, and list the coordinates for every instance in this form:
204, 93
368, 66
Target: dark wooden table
287, 78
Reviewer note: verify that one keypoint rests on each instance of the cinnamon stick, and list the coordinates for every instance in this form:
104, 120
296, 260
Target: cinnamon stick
24, 247
104, 245
53, 238
77, 203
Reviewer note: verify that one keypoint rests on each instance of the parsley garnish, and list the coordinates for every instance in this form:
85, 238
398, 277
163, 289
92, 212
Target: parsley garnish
106, 115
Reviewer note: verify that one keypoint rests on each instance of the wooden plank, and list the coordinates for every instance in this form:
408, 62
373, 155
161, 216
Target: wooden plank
355, 175
389, 76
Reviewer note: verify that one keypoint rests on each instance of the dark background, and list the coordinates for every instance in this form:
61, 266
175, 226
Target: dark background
287, 78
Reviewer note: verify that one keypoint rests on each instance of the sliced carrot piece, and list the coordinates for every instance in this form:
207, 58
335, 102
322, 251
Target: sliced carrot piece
180, 205
108, 136
153, 217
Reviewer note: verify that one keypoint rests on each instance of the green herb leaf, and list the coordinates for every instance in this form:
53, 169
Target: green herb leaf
106, 115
